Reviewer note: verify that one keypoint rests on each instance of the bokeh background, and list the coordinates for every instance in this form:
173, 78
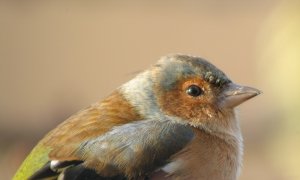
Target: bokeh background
57, 57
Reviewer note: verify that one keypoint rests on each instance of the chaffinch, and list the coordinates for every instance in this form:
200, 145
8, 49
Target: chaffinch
175, 120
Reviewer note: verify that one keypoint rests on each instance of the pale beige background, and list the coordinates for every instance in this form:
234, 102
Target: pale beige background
57, 57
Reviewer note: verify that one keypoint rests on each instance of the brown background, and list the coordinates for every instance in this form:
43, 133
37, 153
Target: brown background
57, 57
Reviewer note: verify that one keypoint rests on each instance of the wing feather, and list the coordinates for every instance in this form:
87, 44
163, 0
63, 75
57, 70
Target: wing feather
130, 151
136, 148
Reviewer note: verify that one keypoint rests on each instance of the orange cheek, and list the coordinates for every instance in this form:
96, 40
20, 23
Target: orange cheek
178, 103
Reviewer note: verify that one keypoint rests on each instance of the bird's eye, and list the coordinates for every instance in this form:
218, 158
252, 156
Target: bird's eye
194, 91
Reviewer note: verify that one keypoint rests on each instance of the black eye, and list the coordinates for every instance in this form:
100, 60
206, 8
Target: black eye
194, 91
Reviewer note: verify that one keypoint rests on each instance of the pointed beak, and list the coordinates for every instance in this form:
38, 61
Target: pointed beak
235, 94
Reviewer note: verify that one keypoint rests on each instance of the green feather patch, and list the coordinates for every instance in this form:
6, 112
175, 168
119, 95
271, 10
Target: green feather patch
37, 158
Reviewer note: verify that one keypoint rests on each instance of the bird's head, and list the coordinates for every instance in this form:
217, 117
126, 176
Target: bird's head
188, 89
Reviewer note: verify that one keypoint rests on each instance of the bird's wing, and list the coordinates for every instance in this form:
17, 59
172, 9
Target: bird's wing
61, 143
87, 124
128, 151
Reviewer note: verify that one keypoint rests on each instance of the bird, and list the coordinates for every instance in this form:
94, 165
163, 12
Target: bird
175, 120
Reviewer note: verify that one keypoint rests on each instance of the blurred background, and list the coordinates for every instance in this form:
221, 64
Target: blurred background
57, 57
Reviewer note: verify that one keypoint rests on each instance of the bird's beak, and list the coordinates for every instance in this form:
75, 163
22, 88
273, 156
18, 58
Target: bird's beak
235, 94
